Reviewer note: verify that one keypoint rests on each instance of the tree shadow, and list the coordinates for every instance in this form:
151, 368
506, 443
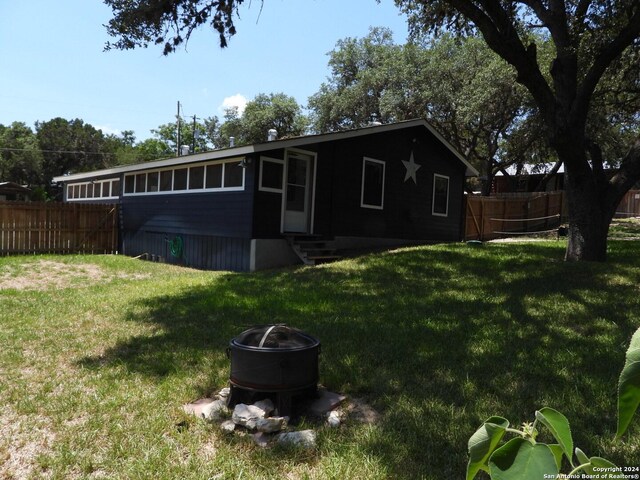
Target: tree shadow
437, 339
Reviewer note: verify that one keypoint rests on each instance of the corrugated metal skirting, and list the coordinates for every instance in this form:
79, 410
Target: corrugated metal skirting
197, 251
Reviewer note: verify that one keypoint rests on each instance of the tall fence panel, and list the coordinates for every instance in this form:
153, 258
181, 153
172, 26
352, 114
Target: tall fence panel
511, 215
629, 206
37, 227
521, 214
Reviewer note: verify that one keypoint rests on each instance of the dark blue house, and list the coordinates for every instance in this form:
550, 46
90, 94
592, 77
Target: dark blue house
281, 202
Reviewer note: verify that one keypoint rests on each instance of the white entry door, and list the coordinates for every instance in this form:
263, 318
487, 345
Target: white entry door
297, 201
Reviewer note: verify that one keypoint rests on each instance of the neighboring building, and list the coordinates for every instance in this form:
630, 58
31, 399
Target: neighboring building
14, 192
238, 208
528, 179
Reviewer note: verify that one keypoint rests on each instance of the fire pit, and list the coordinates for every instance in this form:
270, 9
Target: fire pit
273, 360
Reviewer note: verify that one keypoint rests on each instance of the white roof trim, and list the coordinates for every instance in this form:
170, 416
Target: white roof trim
221, 154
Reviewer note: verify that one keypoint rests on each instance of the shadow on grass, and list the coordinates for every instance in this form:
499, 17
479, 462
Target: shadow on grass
436, 338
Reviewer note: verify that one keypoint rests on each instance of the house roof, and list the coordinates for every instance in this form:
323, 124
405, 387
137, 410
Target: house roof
11, 187
272, 145
531, 169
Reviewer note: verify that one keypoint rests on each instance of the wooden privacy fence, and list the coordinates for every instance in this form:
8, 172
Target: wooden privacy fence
629, 206
35, 227
521, 214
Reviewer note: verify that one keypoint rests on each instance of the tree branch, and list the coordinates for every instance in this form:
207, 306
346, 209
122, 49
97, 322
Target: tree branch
502, 38
602, 61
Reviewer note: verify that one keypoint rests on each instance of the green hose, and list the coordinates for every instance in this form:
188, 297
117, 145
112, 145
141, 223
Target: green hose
175, 246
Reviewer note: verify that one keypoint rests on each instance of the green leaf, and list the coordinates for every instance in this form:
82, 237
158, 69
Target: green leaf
519, 459
558, 424
629, 386
483, 442
557, 453
582, 457
591, 463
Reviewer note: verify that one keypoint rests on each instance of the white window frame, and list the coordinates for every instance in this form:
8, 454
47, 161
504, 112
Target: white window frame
270, 189
366, 160
71, 187
228, 163
433, 197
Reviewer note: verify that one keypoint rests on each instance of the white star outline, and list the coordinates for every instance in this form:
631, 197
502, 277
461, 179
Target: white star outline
412, 167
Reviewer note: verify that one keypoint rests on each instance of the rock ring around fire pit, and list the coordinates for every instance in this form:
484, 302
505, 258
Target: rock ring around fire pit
273, 361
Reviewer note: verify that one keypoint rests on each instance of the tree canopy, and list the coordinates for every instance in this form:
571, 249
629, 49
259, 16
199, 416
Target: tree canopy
168, 22
590, 41
463, 88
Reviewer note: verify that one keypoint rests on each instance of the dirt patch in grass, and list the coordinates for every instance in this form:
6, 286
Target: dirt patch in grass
51, 275
23, 440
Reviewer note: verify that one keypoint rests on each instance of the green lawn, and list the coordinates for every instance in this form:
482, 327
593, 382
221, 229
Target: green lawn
100, 352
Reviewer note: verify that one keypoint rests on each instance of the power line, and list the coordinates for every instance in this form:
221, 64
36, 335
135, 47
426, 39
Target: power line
81, 152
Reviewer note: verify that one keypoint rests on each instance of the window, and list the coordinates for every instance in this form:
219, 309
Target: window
214, 176
440, 205
166, 180
141, 183
271, 172
129, 182
152, 182
227, 175
180, 179
233, 174
196, 178
109, 188
372, 195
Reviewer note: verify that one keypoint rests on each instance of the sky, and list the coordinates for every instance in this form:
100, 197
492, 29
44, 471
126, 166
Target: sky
52, 62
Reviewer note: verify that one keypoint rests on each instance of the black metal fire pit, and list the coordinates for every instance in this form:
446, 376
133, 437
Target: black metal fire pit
273, 359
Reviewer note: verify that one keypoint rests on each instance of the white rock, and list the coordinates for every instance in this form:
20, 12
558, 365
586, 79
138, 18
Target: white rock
271, 424
334, 418
228, 426
266, 405
224, 393
303, 438
214, 410
247, 415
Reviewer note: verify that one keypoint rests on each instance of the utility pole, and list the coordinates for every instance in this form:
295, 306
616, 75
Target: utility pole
193, 143
178, 133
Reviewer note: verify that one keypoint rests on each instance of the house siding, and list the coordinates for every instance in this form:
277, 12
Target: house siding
215, 228
406, 213
240, 230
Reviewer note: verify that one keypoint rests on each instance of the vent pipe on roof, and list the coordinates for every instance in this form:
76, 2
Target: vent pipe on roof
272, 135
184, 150
232, 141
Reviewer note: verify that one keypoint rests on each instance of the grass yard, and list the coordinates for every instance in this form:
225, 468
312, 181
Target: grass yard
100, 352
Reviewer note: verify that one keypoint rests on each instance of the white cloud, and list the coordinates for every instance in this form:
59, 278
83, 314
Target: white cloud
108, 130
237, 100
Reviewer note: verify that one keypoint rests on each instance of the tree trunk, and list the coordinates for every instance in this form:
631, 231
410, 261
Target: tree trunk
588, 226
590, 212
